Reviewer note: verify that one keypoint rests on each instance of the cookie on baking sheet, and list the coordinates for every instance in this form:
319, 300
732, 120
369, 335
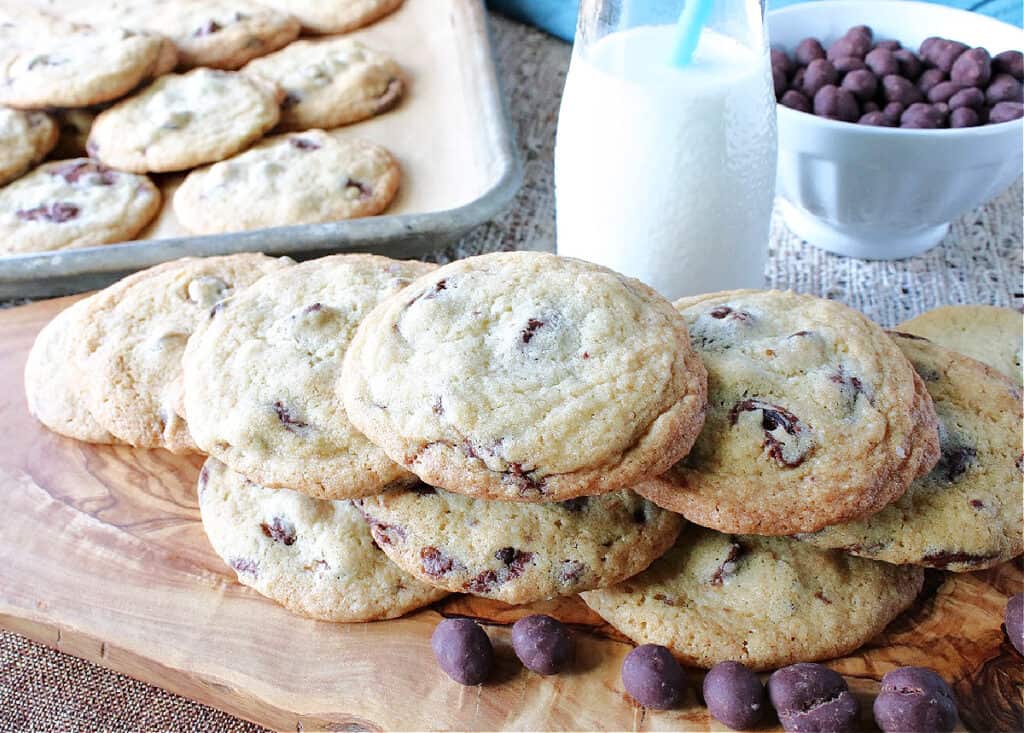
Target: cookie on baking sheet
814, 417
524, 376
763, 601
220, 34
130, 349
516, 552
298, 178
52, 379
184, 120
992, 335
25, 139
316, 558
84, 67
74, 203
966, 513
337, 16
260, 377
331, 83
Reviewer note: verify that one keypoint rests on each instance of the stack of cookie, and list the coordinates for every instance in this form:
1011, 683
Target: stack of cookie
91, 84
520, 426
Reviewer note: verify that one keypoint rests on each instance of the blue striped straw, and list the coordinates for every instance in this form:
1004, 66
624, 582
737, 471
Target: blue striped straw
691, 23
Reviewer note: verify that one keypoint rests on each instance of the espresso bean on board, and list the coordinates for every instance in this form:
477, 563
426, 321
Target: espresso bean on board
812, 697
915, 699
653, 677
734, 695
543, 644
463, 650
1014, 618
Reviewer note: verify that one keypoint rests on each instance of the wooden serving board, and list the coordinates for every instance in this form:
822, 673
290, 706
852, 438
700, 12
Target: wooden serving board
102, 555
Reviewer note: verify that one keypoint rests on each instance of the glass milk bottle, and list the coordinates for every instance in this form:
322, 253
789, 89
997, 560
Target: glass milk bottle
665, 171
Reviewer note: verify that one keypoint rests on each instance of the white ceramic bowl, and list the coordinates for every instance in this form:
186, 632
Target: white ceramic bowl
885, 193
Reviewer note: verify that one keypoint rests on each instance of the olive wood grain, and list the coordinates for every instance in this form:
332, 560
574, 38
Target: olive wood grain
102, 556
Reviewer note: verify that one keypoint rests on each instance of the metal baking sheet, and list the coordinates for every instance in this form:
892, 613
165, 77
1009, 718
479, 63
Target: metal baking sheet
451, 135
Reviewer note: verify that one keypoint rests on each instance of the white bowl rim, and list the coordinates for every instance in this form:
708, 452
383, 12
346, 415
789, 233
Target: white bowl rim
981, 131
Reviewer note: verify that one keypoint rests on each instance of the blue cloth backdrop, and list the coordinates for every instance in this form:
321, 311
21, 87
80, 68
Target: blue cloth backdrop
559, 16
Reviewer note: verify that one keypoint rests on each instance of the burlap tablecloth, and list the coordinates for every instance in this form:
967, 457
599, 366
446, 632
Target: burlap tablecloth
979, 262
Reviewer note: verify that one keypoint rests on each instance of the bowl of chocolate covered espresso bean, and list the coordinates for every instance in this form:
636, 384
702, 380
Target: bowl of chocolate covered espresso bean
894, 119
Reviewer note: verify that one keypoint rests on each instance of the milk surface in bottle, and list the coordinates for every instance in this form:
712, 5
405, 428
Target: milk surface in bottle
665, 173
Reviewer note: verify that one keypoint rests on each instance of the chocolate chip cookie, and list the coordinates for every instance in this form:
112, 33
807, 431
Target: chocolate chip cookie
25, 139
339, 16
184, 120
524, 376
260, 375
316, 558
130, 349
966, 513
515, 552
84, 67
299, 178
762, 601
74, 203
994, 336
331, 83
52, 379
222, 34
814, 417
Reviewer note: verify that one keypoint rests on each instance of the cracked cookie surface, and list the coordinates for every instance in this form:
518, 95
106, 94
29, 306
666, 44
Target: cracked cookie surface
74, 203
524, 376
316, 558
130, 350
331, 83
260, 377
814, 417
992, 335
763, 601
516, 552
299, 178
184, 120
965, 514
